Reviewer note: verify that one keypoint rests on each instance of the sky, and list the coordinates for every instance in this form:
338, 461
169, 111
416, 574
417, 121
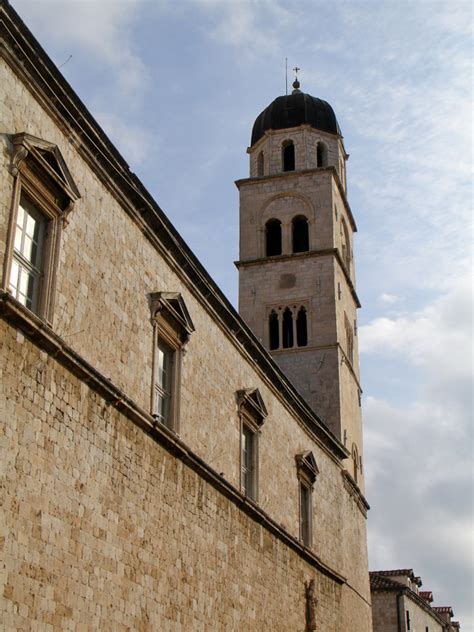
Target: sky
177, 84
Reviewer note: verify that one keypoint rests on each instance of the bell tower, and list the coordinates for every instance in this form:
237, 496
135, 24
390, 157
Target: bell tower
296, 265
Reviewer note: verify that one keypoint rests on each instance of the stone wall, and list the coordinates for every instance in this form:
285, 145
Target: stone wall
105, 528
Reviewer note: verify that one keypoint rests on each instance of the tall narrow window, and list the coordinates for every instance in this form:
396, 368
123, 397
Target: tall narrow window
301, 328
260, 164
288, 155
252, 413
322, 155
165, 359
346, 247
27, 263
305, 513
248, 459
274, 330
307, 471
172, 327
300, 234
273, 237
408, 621
44, 194
355, 462
349, 340
287, 328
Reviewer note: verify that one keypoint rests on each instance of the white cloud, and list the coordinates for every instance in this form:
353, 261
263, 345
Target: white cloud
419, 454
437, 338
135, 143
252, 27
97, 31
389, 298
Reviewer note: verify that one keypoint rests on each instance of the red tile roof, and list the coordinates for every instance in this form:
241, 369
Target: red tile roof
443, 610
427, 595
379, 582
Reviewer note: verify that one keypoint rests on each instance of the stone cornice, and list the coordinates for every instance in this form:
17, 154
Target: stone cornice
355, 493
29, 61
305, 173
46, 339
308, 255
290, 130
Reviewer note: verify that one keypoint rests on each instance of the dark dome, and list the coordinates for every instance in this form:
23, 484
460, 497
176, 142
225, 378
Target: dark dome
294, 110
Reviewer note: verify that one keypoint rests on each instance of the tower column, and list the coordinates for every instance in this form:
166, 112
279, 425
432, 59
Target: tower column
322, 362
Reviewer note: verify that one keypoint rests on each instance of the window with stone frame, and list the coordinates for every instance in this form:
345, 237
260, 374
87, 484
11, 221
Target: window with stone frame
288, 327
321, 155
172, 327
288, 155
345, 245
356, 462
260, 164
349, 340
44, 193
273, 239
252, 414
300, 233
307, 472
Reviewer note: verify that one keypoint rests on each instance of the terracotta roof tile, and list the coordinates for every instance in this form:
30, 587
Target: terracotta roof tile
379, 582
427, 595
443, 610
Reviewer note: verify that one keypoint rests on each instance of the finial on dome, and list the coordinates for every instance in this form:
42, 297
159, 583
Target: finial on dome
296, 83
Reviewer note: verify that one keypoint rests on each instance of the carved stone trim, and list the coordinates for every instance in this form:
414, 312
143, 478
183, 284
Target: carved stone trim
311, 603
355, 493
307, 467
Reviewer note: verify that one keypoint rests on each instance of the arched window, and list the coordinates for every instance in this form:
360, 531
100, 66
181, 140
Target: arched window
300, 234
355, 462
274, 330
301, 328
273, 237
349, 340
287, 328
346, 247
260, 164
288, 155
322, 155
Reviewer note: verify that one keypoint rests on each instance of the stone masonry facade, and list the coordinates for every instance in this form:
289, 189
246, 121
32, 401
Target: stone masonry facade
111, 521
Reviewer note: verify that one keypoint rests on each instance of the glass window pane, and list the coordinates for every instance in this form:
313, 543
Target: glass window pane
30, 226
18, 235
24, 277
163, 382
27, 247
20, 218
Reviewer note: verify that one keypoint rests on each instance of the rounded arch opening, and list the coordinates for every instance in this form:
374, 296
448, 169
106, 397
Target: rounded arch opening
260, 164
273, 237
355, 460
274, 330
301, 328
346, 246
321, 155
287, 328
288, 155
300, 233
